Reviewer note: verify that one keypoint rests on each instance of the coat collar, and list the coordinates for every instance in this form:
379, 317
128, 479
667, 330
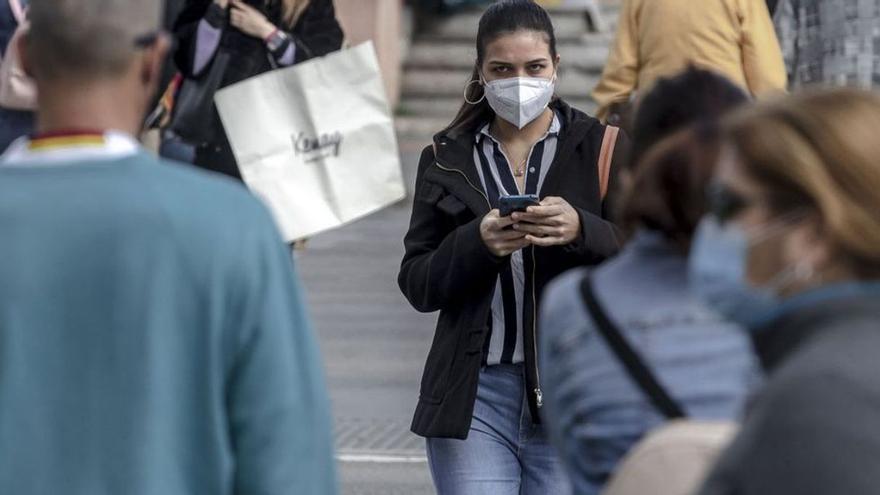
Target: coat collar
554, 130
810, 316
454, 150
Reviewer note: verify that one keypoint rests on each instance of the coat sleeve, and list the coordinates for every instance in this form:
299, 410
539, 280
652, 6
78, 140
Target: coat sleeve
279, 415
621, 74
568, 405
762, 57
187, 30
441, 265
811, 435
317, 32
600, 238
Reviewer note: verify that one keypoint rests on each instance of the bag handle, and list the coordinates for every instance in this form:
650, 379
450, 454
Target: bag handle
636, 368
17, 11
609, 142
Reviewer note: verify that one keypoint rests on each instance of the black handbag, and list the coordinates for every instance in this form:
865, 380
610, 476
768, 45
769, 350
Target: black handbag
193, 116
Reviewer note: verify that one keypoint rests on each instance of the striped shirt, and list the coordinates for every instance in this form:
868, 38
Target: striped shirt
511, 300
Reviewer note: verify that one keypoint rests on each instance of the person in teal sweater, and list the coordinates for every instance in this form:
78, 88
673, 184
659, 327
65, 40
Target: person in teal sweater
152, 335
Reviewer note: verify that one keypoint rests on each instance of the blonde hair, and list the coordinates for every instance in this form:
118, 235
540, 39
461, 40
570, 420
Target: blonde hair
819, 151
291, 10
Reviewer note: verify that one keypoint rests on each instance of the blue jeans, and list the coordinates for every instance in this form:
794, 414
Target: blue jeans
505, 452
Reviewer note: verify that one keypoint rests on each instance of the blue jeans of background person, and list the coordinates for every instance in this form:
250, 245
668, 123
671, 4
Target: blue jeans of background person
13, 125
505, 452
172, 147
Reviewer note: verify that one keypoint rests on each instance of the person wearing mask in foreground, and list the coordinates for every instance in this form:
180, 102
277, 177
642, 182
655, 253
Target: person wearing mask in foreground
658, 38
791, 251
256, 36
152, 336
481, 390
595, 412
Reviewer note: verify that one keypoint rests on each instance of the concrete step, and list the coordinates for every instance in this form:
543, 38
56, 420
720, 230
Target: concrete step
437, 84
568, 25
441, 60
418, 130
588, 55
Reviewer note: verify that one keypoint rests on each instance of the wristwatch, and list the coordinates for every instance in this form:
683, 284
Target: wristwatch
276, 40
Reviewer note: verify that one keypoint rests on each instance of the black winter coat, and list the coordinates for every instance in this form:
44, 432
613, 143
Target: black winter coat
316, 33
448, 268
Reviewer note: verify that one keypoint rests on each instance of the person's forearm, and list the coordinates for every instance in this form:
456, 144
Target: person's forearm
208, 34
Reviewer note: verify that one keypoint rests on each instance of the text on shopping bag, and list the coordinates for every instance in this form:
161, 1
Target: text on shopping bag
316, 141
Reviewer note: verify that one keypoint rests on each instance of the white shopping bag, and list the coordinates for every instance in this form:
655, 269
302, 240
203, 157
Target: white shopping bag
316, 141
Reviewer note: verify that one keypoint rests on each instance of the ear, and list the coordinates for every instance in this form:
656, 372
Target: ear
478, 68
557, 61
21, 47
154, 60
807, 244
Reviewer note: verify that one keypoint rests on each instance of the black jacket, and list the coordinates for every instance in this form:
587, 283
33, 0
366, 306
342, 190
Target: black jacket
316, 33
815, 427
448, 268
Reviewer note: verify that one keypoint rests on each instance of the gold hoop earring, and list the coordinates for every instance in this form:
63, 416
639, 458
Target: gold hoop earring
467, 87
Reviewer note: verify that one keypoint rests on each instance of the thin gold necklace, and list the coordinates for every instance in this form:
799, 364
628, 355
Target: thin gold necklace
521, 170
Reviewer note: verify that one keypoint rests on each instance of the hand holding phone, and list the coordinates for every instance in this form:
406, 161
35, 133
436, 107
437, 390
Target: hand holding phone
554, 222
511, 204
499, 237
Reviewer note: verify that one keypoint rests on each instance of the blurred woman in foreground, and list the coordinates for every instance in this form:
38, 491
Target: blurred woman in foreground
595, 412
791, 250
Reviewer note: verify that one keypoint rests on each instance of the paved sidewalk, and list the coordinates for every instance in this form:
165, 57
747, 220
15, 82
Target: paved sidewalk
374, 345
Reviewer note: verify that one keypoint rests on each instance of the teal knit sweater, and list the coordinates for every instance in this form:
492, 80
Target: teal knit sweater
152, 338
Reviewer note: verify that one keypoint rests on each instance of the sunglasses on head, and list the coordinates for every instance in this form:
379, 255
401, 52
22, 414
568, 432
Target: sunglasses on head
725, 203
147, 40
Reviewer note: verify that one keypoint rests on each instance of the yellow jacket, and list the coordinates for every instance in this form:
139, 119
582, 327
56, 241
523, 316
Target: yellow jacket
658, 38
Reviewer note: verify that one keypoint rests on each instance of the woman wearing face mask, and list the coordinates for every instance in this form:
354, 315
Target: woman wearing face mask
792, 251
481, 391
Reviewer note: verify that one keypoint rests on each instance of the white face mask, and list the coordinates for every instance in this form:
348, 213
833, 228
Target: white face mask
520, 100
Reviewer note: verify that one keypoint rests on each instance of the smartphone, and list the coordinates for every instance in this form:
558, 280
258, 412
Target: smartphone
510, 204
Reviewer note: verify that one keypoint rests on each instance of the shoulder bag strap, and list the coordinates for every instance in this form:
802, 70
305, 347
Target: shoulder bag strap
609, 141
17, 10
628, 356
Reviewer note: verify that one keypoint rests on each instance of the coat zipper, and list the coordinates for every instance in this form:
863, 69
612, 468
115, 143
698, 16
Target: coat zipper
475, 188
539, 394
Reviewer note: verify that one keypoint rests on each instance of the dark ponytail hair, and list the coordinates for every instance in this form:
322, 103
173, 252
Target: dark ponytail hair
502, 17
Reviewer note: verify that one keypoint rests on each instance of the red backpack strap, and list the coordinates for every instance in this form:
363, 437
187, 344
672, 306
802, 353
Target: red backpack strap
17, 10
609, 141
